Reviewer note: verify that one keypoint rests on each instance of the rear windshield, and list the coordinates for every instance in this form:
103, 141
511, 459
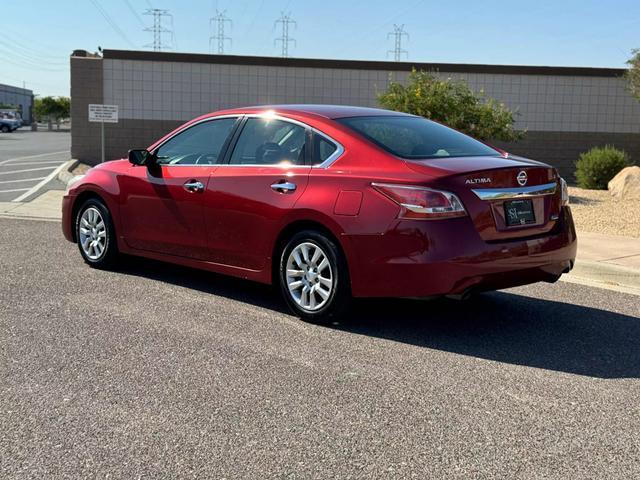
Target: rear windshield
416, 137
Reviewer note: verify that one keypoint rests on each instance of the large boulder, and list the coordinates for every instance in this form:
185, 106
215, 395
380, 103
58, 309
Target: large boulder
626, 184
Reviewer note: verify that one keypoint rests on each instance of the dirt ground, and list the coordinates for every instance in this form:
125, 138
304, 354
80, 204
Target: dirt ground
597, 211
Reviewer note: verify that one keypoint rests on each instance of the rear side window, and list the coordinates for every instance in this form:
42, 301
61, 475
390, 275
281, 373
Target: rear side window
323, 149
265, 141
416, 137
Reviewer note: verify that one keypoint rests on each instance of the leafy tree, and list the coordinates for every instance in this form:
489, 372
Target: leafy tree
453, 103
52, 108
633, 74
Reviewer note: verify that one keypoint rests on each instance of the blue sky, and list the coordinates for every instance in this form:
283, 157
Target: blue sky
39, 35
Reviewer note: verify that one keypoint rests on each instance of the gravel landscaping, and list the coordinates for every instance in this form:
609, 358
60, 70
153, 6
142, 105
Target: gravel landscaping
597, 211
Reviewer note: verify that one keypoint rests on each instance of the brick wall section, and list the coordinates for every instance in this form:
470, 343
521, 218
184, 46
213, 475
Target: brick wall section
562, 149
566, 110
86, 88
128, 134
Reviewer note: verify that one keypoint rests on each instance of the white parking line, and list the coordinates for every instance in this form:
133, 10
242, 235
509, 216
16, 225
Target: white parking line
14, 190
22, 180
32, 156
28, 170
46, 180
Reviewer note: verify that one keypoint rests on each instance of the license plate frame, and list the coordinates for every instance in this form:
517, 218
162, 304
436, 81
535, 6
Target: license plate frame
519, 212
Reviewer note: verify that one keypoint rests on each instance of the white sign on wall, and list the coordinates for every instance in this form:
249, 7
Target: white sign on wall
103, 113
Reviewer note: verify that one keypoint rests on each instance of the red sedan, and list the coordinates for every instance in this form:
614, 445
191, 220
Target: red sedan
329, 202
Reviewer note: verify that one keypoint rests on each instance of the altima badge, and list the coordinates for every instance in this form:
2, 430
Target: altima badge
473, 181
522, 178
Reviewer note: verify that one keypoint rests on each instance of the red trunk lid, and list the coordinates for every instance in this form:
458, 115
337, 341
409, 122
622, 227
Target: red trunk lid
498, 180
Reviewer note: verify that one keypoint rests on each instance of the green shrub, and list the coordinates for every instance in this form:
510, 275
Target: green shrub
596, 167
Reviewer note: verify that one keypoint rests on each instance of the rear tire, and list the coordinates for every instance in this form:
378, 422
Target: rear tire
5, 129
95, 234
314, 278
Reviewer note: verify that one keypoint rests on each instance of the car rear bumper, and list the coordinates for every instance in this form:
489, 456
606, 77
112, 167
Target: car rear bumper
432, 258
67, 213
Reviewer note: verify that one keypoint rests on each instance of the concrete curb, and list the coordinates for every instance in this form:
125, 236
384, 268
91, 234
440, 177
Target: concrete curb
29, 217
65, 174
605, 275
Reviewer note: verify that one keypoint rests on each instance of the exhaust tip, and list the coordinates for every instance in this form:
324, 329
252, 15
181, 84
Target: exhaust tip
461, 297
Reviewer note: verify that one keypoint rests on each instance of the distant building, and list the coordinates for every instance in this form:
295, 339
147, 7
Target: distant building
18, 99
565, 110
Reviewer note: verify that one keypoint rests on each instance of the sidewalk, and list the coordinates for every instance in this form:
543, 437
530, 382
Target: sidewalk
607, 261
595, 247
47, 206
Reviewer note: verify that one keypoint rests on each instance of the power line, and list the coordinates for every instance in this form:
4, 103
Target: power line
398, 34
135, 13
29, 66
285, 20
113, 24
357, 39
253, 21
157, 29
220, 20
29, 53
23, 55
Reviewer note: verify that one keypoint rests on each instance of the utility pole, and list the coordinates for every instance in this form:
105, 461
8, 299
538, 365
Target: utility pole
285, 20
157, 29
398, 34
220, 20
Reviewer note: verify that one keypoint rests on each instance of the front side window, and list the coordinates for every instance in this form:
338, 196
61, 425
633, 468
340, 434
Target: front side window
265, 141
197, 145
416, 137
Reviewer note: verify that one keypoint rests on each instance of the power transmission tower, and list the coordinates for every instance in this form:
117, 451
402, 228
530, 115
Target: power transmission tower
398, 34
220, 20
285, 20
157, 29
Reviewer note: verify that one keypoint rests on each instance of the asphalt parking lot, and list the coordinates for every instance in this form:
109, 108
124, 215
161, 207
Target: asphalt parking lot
27, 159
162, 371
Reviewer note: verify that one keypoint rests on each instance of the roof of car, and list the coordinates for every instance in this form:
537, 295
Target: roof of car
328, 111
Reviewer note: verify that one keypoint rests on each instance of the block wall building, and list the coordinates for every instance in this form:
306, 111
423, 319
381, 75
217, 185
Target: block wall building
566, 110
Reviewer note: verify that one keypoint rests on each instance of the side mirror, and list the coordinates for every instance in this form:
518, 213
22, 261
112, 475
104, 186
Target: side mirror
141, 157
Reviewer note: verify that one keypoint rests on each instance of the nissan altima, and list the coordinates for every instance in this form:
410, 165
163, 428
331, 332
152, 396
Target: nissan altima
329, 203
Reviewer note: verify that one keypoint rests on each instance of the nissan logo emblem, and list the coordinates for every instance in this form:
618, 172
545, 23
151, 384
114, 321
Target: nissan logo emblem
522, 178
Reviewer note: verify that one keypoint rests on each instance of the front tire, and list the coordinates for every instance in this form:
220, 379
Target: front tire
95, 234
314, 279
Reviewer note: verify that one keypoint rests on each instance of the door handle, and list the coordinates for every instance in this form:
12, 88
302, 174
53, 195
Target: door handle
194, 186
284, 187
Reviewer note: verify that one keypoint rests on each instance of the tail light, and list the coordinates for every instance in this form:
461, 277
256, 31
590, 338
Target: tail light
421, 202
565, 192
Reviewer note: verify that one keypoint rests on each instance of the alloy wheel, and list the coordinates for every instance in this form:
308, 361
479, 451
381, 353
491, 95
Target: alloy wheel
93, 233
309, 276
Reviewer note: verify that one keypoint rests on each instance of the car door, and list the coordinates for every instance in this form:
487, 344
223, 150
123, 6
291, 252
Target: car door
162, 206
265, 174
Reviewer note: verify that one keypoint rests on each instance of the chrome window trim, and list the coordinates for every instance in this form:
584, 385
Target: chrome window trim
334, 156
326, 164
523, 192
262, 165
